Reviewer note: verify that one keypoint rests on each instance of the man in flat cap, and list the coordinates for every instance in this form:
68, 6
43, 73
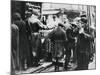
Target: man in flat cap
83, 45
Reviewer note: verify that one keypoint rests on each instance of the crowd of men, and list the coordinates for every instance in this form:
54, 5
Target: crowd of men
27, 48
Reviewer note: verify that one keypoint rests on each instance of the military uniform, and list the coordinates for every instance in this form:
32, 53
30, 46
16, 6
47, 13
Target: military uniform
57, 37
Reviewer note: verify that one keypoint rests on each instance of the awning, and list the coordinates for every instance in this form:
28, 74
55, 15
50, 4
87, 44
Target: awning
49, 12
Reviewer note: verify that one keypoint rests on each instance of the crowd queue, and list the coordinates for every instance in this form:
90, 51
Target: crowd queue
29, 45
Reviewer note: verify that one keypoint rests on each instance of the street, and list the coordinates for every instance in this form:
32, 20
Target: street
49, 67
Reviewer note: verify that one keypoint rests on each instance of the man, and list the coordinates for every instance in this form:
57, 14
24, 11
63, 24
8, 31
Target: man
65, 21
35, 25
23, 40
73, 36
14, 48
83, 47
71, 33
93, 42
57, 37
29, 36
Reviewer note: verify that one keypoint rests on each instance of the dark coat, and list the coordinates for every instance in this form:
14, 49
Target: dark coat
23, 40
57, 34
14, 37
58, 37
14, 47
83, 43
